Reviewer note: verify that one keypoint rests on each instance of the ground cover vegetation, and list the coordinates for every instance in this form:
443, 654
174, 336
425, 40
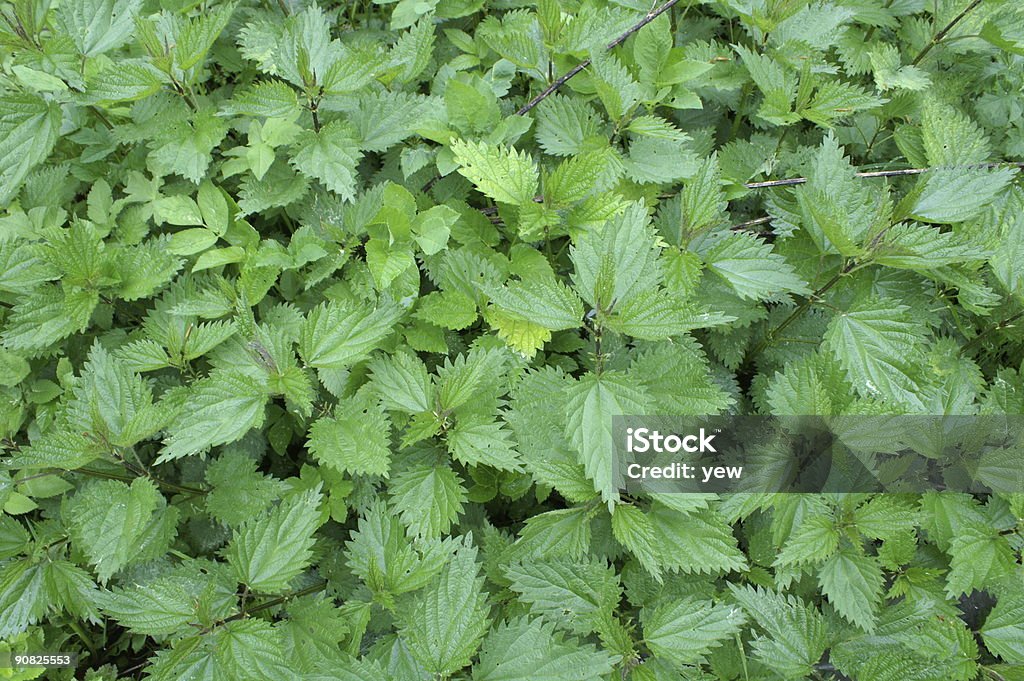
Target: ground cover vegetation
313, 319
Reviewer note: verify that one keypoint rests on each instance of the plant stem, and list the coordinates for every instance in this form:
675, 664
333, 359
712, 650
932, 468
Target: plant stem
997, 327
170, 486
315, 588
769, 337
564, 78
789, 182
937, 38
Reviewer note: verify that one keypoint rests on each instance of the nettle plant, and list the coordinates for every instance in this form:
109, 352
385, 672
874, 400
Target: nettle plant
314, 319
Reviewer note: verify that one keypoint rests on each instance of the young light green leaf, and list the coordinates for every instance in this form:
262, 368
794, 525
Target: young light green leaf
504, 174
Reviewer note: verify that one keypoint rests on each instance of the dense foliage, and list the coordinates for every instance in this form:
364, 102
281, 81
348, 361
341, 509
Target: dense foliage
312, 326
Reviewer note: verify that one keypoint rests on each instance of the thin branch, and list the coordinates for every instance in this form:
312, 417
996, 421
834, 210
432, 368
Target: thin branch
564, 78
181, 489
47, 474
937, 38
751, 223
772, 335
1006, 323
243, 614
312, 589
880, 173
793, 181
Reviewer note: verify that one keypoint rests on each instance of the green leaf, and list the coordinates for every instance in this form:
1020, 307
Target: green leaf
695, 542
463, 379
266, 98
566, 125
191, 241
617, 262
590, 405
1006, 30
428, 499
581, 176
657, 160
815, 539
13, 368
523, 649
98, 26
950, 138
543, 301
684, 631
432, 228
356, 439
563, 533
980, 555
269, 551
238, 492
703, 201
110, 519
196, 35
949, 195
22, 598
891, 74
750, 267
218, 409
128, 80
778, 85
1003, 631
678, 379
853, 584
337, 334
47, 316
876, 343
483, 442
653, 315
575, 594
118, 403
214, 208
330, 156
796, 635
72, 589
501, 173
402, 383
633, 529
186, 147
28, 132
447, 620
447, 309
168, 604
919, 247
59, 448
